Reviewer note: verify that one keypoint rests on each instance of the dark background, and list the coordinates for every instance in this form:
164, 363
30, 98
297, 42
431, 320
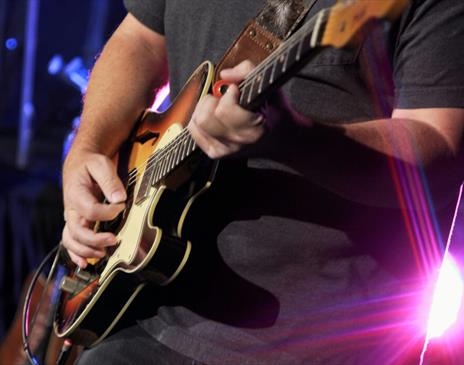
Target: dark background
30, 192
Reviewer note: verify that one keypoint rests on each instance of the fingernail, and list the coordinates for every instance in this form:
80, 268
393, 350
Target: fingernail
225, 72
118, 197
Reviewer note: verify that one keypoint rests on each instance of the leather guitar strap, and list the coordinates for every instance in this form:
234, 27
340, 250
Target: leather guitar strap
265, 32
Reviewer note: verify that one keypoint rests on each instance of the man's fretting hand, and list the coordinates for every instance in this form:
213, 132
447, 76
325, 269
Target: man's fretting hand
220, 126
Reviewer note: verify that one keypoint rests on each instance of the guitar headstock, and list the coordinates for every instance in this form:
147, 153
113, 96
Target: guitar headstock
348, 16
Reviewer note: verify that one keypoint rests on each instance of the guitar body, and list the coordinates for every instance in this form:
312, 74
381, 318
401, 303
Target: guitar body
151, 245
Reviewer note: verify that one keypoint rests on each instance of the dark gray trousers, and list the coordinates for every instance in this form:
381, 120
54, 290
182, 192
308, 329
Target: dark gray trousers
132, 346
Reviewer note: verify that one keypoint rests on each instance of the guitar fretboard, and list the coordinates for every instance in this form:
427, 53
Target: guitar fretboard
164, 161
275, 70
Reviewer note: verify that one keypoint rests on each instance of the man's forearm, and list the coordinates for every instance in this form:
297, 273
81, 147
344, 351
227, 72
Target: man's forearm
355, 161
121, 86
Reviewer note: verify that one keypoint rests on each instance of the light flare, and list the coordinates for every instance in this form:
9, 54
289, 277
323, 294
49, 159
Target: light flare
447, 299
160, 98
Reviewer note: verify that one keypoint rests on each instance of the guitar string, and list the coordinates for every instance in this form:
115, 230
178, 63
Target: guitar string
286, 47
163, 155
160, 154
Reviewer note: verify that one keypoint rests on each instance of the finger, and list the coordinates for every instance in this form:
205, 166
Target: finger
229, 109
90, 208
214, 148
204, 120
237, 73
243, 126
81, 232
78, 260
103, 171
78, 248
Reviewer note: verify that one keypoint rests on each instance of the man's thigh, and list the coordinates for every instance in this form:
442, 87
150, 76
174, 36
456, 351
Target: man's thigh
132, 346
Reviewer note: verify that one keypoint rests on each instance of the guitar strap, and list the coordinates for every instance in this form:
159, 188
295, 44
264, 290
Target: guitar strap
265, 32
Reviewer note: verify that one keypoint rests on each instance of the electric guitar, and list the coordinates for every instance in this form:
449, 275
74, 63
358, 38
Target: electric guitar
165, 172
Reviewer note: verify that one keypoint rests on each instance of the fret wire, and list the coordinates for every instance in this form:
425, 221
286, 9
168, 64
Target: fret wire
155, 175
191, 146
260, 88
271, 79
166, 165
251, 90
178, 154
162, 165
168, 162
184, 149
189, 143
172, 159
287, 54
242, 95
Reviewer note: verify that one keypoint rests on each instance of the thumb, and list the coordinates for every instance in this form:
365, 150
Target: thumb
103, 171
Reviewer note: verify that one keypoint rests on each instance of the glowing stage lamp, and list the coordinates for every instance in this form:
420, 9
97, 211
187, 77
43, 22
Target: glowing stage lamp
447, 299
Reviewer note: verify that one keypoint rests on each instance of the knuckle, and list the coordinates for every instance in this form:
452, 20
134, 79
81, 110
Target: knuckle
200, 120
255, 134
238, 138
248, 65
84, 251
221, 112
212, 152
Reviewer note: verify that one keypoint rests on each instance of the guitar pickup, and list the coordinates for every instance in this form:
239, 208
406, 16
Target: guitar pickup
83, 275
72, 286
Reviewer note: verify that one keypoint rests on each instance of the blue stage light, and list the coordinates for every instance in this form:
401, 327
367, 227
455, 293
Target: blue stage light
11, 44
55, 65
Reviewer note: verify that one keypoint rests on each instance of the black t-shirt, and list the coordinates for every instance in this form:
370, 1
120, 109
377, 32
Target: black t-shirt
283, 271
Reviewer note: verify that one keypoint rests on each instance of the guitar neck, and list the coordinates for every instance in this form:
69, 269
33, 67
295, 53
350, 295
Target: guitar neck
334, 27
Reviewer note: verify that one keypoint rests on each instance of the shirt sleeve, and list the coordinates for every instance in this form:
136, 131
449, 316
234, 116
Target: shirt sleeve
429, 56
148, 12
